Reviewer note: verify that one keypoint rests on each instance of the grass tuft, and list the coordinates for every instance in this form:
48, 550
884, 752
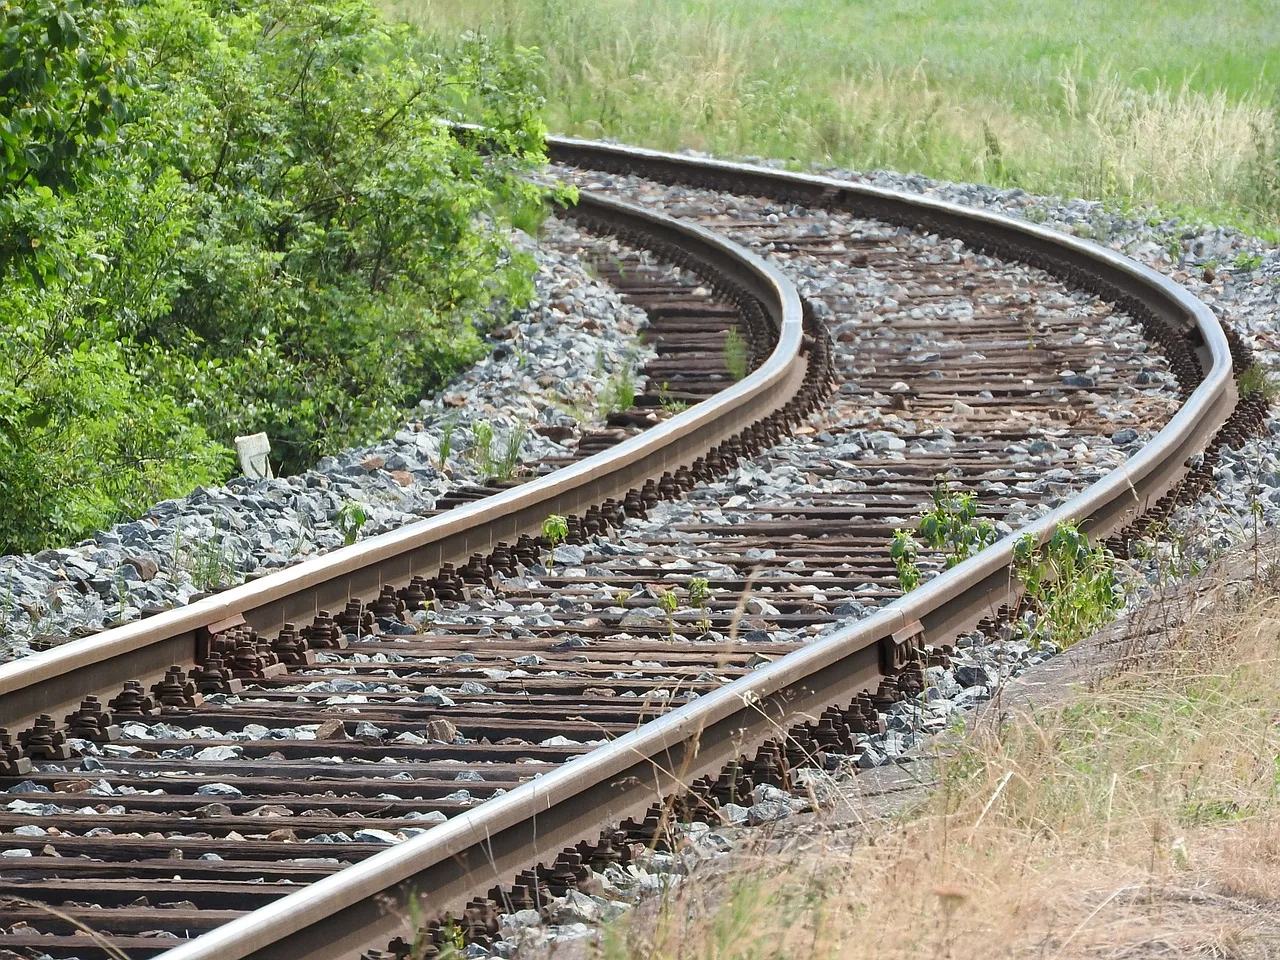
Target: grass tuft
1258, 379
736, 359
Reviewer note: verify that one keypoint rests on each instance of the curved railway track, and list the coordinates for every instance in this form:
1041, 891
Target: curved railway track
251, 777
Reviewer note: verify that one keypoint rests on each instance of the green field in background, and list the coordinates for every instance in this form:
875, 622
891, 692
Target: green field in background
1174, 103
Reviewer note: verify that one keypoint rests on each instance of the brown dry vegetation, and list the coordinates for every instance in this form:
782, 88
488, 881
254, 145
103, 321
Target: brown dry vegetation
1140, 818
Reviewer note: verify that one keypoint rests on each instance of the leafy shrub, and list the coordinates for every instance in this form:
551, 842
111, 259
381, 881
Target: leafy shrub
951, 526
1071, 586
64, 71
218, 218
82, 437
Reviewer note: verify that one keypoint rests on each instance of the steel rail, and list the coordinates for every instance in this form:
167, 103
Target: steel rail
56, 680
371, 902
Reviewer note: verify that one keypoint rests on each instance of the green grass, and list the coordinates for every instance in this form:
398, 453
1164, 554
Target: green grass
1167, 102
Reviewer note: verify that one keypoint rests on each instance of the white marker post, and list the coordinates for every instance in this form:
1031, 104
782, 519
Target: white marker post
253, 451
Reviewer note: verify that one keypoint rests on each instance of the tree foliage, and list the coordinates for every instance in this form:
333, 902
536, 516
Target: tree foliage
222, 217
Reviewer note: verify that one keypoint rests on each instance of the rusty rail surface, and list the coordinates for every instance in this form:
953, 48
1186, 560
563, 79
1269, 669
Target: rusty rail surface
367, 904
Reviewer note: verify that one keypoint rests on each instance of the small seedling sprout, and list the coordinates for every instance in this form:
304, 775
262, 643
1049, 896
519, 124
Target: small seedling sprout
669, 601
555, 530
351, 517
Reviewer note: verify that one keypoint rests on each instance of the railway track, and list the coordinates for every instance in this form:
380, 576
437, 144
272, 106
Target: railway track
478, 720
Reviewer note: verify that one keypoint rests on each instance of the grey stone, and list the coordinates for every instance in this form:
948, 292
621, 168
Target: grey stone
765, 793
768, 812
975, 674
521, 919
36, 809
28, 786
373, 835
430, 816
575, 907
218, 790
569, 554
734, 813
870, 757
369, 730
212, 754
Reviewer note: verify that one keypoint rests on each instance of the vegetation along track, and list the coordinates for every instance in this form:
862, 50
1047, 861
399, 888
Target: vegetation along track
537, 719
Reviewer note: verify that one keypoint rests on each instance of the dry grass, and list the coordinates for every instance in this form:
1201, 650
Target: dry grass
1140, 820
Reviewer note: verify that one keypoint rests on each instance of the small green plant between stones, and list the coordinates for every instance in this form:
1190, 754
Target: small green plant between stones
699, 594
1258, 379
482, 447
670, 403
619, 394
1071, 586
669, 601
505, 468
555, 530
351, 517
735, 354
211, 564
904, 552
951, 526
446, 438
122, 592
6, 608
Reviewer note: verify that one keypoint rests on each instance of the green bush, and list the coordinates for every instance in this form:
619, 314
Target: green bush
223, 217
1071, 586
951, 527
